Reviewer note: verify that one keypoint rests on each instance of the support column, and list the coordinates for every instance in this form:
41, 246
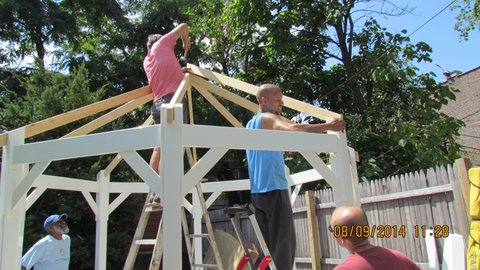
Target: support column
103, 201
348, 194
172, 173
12, 225
197, 226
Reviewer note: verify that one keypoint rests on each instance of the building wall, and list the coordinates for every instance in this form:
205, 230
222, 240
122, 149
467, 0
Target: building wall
466, 107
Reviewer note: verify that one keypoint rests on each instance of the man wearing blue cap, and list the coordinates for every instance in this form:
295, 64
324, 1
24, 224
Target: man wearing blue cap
53, 251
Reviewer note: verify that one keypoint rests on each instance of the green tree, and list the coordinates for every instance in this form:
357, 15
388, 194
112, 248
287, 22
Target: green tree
468, 18
375, 86
31, 25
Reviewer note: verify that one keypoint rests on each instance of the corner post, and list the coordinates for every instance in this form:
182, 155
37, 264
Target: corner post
102, 198
341, 167
172, 174
12, 224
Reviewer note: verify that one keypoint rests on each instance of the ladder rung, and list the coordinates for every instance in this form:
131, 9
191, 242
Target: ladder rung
145, 242
205, 265
153, 208
199, 235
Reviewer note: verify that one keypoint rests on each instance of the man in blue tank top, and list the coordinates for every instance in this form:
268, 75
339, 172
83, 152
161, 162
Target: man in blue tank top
269, 185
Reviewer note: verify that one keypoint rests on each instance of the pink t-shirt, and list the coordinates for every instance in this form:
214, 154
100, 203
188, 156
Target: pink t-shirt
163, 71
378, 258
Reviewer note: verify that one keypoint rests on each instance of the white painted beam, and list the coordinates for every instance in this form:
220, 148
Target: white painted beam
28, 180
241, 138
149, 176
89, 145
201, 168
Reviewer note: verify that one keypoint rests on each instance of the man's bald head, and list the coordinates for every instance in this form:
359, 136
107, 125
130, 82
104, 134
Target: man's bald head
350, 216
266, 90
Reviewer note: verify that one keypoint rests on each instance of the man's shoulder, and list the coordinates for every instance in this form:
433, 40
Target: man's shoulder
269, 117
43, 241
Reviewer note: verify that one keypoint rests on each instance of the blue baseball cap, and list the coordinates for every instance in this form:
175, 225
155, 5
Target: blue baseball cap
51, 219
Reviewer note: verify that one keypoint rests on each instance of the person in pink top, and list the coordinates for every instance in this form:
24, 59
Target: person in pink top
164, 75
363, 255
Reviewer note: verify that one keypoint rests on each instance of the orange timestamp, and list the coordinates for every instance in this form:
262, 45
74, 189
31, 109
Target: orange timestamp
389, 231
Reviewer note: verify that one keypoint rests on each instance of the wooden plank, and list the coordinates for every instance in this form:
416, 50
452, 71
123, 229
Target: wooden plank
419, 213
3, 139
449, 215
223, 79
177, 97
85, 111
220, 108
399, 219
408, 217
426, 200
110, 116
190, 115
312, 226
380, 207
391, 217
375, 219
437, 206
219, 91
252, 90
80, 113
431, 177
407, 194
461, 212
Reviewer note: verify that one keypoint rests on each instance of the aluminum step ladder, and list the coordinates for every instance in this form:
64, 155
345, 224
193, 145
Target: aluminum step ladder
246, 259
139, 241
210, 236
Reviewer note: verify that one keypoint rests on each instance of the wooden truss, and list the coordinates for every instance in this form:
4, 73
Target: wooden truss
23, 180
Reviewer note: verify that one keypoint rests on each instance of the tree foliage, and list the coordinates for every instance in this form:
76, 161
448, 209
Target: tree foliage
468, 18
391, 110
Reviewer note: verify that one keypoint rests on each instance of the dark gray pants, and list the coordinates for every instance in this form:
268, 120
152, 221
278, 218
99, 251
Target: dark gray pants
275, 218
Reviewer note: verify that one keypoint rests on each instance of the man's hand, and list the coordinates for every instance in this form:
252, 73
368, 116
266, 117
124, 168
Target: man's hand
186, 69
336, 124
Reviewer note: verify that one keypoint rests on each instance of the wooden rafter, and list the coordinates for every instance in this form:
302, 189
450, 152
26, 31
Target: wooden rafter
252, 90
80, 113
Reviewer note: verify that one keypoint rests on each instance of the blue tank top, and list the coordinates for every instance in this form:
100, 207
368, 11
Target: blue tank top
265, 168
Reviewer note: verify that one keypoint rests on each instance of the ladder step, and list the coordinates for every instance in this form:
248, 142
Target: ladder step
153, 208
145, 242
205, 265
198, 235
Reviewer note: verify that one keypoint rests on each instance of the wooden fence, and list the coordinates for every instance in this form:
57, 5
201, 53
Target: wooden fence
401, 207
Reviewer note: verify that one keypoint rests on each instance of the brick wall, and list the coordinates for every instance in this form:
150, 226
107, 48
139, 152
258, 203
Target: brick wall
466, 107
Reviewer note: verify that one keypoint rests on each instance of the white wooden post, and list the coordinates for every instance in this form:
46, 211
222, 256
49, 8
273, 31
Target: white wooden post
347, 193
12, 218
172, 173
454, 253
197, 227
432, 254
102, 214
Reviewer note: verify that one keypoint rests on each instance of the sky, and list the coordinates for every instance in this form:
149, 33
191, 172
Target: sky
448, 50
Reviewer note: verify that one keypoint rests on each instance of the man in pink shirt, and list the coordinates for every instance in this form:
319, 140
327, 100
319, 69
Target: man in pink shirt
164, 75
